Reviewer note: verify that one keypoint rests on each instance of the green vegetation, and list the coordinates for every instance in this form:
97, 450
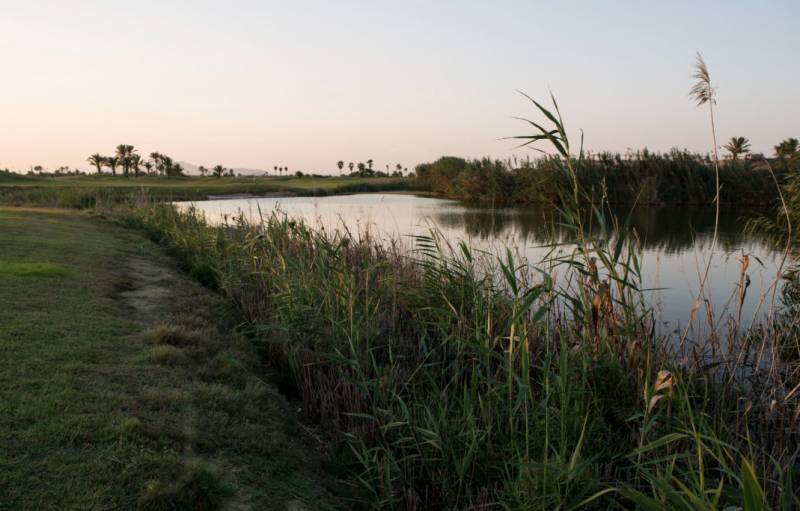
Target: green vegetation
443, 388
29, 269
121, 386
643, 177
88, 191
446, 387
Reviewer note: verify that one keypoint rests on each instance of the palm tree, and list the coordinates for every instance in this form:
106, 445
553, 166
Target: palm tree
340, 164
98, 161
148, 165
177, 170
737, 146
369, 164
166, 164
361, 168
218, 170
787, 152
156, 157
350, 166
787, 149
135, 161
202, 170
275, 168
112, 162
398, 168
125, 154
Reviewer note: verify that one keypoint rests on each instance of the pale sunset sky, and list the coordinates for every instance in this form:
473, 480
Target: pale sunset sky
260, 83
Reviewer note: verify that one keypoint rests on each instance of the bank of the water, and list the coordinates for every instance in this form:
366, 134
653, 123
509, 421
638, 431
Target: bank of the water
441, 389
122, 386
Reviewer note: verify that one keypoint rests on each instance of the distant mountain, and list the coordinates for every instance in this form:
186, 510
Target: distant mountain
192, 170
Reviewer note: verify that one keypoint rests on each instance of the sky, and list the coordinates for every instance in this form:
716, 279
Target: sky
304, 84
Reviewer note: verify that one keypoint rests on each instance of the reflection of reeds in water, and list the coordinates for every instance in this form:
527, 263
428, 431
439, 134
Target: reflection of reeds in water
668, 228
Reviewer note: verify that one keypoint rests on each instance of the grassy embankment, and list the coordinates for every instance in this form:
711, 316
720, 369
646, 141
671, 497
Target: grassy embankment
122, 385
86, 191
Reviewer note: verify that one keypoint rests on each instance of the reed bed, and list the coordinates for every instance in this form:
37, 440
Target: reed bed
643, 177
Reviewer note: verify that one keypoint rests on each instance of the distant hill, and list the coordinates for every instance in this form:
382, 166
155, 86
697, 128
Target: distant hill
192, 169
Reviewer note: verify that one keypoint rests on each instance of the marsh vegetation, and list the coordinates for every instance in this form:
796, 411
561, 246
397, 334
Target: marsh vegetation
444, 383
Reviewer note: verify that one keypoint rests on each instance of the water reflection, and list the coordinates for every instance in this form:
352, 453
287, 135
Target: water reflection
669, 229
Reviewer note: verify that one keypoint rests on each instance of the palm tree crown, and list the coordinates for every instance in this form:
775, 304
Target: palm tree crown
125, 154
98, 161
737, 146
787, 149
134, 160
112, 162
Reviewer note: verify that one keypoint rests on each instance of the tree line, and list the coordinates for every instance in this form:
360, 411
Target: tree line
366, 170
127, 159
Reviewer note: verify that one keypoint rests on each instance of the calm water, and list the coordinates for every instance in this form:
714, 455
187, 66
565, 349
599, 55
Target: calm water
675, 240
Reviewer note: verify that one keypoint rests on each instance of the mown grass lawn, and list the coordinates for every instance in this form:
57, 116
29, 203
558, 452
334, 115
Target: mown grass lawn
89, 190
209, 184
122, 387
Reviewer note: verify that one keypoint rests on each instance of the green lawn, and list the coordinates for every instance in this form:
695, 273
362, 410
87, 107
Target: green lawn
91, 190
198, 186
210, 183
121, 386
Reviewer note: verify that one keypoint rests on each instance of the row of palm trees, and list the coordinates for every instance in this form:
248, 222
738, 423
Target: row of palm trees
365, 170
216, 171
129, 161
